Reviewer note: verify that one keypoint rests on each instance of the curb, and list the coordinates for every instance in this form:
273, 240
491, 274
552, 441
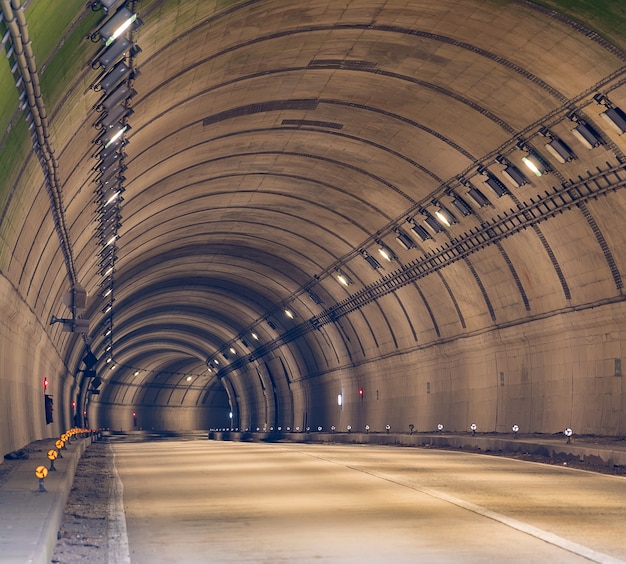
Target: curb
550, 448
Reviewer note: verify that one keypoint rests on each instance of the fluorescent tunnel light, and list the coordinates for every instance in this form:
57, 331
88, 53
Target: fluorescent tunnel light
344, 279
616, 118
586, 135
371, 260
514, 176
117, 25
560, 151
386, 252
405, 241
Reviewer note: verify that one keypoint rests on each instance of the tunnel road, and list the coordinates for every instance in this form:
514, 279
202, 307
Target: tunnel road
198, 501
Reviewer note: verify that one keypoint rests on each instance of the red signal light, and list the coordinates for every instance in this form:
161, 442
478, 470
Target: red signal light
360, 391
45, 384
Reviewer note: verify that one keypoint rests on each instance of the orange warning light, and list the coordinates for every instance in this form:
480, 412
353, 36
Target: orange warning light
52, 454
59, 444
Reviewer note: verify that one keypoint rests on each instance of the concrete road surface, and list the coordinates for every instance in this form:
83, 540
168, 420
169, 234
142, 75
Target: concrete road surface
206, 501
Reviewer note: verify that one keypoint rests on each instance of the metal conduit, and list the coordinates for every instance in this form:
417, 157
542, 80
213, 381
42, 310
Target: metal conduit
567, 196
13, 13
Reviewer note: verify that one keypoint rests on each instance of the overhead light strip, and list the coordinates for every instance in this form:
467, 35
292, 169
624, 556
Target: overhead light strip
116, 61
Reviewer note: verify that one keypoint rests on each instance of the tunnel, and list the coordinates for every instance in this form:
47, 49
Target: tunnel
268, 216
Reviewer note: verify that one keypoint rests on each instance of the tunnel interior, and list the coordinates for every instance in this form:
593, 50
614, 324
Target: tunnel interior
260, 215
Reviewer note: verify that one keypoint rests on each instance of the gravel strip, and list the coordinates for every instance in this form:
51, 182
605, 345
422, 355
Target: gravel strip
83, 536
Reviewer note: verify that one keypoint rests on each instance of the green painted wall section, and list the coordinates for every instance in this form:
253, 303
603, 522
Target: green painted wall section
8, 93
59, 62
70, 59
49, 20
606, 17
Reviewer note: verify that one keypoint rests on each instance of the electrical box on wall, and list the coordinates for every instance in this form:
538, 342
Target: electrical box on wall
49, 409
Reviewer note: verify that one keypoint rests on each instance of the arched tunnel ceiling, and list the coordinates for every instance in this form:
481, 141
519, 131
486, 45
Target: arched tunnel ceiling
276, 144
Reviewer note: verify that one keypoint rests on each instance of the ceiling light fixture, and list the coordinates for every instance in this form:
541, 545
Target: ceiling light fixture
444, 215
314, 297
534, 164
386, 252
121, 95
343, 278
461, 205
419, 230
371, 260
511, 173
112, 54
431, 221
613, 115
116, 25
489, 180
110, 80
616, 118
404, 240
533, 161
108, 5
113, 115
117, 134
560, 151
477, 196
556, 147
586, 135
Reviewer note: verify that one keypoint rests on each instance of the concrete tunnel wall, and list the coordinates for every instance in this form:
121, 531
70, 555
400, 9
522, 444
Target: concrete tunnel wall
27, 356
526, 330
543, 376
